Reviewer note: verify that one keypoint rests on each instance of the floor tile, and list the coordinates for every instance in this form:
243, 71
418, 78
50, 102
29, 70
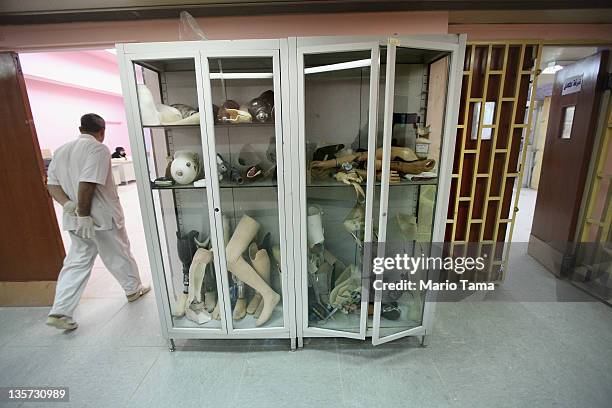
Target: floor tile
91, 314
136, 324
190, 379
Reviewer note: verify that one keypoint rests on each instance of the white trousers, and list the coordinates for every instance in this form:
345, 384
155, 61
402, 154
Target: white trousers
114, 248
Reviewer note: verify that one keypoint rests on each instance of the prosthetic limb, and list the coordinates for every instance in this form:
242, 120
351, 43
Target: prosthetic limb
240, 307
245, 232
403, 153
180, 305
210, 287
337, 162
209, 281
196, 311
394, 176
261, 262
415, 167
201, 259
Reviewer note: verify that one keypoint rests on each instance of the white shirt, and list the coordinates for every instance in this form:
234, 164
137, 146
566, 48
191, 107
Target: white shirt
85, 159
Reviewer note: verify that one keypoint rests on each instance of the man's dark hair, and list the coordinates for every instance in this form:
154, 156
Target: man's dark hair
90, 122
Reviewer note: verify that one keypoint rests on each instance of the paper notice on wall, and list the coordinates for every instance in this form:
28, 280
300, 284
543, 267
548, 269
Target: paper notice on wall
572, 85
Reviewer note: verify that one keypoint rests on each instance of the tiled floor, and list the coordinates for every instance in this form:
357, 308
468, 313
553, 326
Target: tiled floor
493, 354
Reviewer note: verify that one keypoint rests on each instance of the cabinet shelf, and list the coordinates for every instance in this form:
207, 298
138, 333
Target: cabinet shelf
403, 183
255, 184
243, 125
177, 187
170, 126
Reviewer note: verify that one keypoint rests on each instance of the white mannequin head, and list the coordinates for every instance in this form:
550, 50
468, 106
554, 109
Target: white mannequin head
185, 167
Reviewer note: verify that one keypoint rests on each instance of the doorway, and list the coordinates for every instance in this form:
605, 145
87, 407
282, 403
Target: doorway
565, 139
61, 87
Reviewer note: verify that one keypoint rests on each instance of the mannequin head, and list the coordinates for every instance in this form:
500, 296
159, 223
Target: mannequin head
94, 125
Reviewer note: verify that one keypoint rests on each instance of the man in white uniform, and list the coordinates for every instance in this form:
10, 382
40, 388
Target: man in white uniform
80, 179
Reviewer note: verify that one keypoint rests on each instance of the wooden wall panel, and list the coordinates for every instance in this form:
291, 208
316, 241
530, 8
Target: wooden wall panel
31, 247
489, 153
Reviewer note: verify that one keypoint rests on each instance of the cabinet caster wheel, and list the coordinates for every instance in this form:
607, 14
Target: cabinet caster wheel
171, 345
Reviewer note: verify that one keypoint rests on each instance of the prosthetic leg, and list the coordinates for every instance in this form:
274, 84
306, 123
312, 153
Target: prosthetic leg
186, 246
261, 262
243, 235
196, 311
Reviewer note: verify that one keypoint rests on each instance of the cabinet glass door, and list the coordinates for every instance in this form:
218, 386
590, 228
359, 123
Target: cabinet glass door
168, 105
244, 120
337, 101
416, 87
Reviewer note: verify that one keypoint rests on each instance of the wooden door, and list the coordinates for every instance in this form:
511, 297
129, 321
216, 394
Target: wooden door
31, 248
567, 153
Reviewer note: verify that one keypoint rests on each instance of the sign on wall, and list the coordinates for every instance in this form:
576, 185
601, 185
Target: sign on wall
572, 85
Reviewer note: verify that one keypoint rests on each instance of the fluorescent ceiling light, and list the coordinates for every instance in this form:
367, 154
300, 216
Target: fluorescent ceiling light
338, 67
552, 68
111, 50
242, 75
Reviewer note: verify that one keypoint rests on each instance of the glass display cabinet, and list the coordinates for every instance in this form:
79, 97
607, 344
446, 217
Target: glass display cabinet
206, 130
270, 173
376, 141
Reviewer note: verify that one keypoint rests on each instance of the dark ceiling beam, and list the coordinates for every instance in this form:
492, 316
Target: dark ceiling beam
249, 8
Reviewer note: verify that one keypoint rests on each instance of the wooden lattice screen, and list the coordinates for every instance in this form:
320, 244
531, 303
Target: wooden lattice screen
493, 126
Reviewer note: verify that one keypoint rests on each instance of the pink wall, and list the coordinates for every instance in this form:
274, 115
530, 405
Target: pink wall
95, 70
57, 110
58, 100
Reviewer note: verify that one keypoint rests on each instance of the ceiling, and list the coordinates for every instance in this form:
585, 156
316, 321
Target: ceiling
563, 56
461, 11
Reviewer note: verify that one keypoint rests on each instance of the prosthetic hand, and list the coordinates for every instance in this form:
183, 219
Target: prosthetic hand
394, 176
243, 235
85, 227
69, 207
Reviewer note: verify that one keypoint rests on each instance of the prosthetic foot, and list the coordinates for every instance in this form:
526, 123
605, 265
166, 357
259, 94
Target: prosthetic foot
240, 307
180, 305
196, 313
210, 301
254, 303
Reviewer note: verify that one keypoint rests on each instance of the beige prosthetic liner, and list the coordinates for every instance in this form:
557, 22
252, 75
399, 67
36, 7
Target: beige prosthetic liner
243, 235
261, 262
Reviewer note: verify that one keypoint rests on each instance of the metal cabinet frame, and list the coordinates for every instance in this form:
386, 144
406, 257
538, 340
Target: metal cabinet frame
289, 96
199, 52
455, 45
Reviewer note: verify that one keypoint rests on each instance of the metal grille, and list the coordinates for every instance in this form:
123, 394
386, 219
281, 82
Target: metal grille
499, 81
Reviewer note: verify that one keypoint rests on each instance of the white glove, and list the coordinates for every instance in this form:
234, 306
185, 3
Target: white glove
85, 227
69, 207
